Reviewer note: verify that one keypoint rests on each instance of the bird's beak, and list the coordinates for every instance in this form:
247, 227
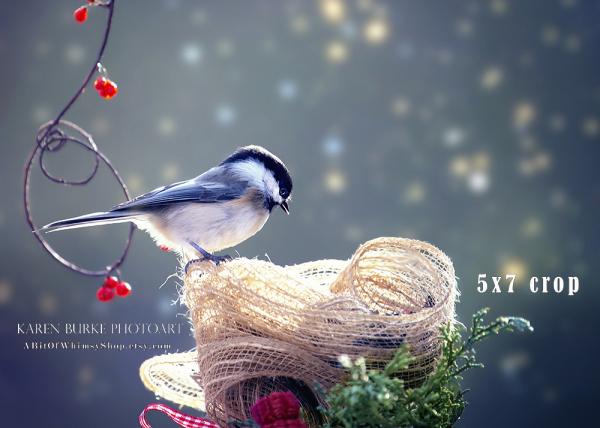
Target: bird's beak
284, 206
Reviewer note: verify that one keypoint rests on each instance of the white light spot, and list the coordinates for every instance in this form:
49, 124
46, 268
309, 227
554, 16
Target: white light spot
401, 106
376, 31
336, 52
75, 54
287, 89
348, 30
165, 306
334, 11
557, 122
225, 48
43, 48
549, 35
353, 233
135, 182
191, 54
300, 24
464, 27
478, 182
406, 50
198, 17
6, 292
511, 364
170, 171
514, 266
40, 114
48, 304
524, 114
459, 166
100, 125
335, 181
166, 126
499, 7
333, 146
414, 193
453, 137
558, 199
491, 78
531, 227
573, 43
225, 115
590, 127
568, 3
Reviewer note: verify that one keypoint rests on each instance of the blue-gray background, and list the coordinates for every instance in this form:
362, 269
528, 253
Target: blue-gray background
474, 125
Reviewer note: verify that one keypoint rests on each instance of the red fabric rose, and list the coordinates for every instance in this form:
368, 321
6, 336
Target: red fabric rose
278, 410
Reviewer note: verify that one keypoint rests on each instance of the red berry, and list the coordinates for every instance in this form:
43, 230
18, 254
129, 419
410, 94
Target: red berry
110, 90
100, 83
123, 289
111, 282
81, 14
104, 294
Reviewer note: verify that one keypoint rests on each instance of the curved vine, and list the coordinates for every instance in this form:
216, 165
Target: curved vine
56, 134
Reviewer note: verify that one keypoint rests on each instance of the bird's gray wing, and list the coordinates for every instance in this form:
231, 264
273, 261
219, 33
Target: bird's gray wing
199, 191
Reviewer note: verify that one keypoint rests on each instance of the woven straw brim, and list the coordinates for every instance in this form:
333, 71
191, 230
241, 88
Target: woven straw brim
171, 377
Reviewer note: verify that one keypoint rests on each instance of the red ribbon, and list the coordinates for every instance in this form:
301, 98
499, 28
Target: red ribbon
179, 418
277, 410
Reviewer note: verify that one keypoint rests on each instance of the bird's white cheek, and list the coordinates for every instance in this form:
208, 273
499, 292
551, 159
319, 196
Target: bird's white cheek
272, 187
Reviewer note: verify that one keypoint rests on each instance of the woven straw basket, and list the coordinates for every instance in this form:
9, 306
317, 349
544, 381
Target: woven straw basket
261, 328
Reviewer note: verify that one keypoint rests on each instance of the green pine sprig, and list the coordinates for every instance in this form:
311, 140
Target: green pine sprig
379, 398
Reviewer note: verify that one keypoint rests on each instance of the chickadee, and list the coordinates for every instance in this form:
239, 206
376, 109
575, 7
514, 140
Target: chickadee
219, 209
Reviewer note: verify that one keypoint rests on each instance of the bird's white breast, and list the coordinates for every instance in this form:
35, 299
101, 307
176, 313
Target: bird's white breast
213, 226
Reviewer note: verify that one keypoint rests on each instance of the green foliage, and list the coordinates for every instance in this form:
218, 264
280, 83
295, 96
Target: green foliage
378, 398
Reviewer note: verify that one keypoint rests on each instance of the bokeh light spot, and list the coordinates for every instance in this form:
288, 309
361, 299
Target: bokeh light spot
376, 31
335, 181
336, 52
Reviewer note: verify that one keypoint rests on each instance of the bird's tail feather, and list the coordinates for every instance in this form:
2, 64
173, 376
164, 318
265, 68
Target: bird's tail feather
88, 220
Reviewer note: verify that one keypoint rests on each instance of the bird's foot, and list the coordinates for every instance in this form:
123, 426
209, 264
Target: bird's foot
212, 258
218, 259
189, 264
205, 256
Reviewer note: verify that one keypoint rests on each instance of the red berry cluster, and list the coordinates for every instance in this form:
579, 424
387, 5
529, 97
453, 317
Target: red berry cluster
112, 286
278, 410
106, 88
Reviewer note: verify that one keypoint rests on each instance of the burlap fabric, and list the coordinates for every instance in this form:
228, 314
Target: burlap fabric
260, 327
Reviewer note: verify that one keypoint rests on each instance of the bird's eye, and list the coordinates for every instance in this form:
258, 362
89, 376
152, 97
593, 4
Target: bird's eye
284, 193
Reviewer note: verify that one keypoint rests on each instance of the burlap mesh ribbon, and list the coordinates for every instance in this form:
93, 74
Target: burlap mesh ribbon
261, 328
